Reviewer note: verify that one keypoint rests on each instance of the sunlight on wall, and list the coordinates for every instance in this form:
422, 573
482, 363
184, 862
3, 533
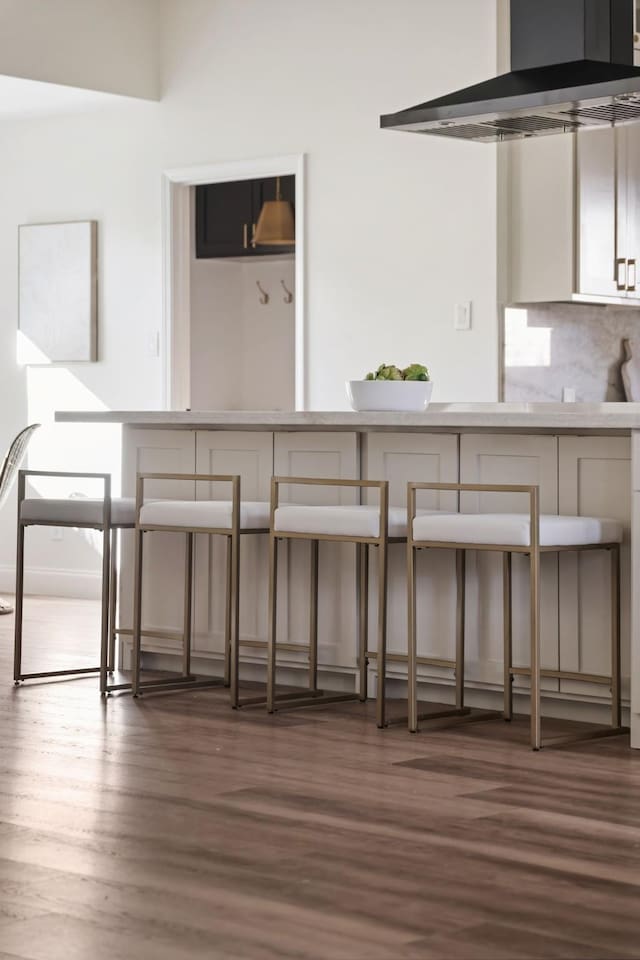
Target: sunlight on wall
525, 346
87, 448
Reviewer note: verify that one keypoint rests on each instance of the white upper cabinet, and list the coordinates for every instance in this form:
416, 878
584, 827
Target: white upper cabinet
597, 214
574, 217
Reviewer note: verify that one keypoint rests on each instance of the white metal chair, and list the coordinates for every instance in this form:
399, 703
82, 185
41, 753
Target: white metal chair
231, 519
8, 473
530, 534
106, 515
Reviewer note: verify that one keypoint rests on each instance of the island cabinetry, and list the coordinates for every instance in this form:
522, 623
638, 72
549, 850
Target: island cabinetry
504, 459
249, 454
322, 455
399, 458
156, 451
594, 479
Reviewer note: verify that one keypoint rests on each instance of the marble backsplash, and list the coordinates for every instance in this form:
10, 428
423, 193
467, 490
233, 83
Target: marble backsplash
550, 347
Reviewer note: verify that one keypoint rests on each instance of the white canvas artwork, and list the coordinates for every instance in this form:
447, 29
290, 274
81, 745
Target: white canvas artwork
58, 292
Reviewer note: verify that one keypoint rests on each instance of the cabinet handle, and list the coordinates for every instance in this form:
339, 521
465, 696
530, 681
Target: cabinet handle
621, 283
253, 235
631, 276
245, 234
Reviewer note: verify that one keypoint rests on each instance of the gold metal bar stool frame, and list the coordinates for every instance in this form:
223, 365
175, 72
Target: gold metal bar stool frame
313, 695
232, 612
109, 531
534, 671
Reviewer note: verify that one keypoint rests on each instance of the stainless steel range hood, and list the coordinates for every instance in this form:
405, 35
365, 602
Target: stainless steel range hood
571, 68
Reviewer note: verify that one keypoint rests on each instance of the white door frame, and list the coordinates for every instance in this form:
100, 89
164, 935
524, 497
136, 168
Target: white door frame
177, 245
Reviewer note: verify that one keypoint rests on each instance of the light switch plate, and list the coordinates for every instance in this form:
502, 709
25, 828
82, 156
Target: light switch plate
462, 316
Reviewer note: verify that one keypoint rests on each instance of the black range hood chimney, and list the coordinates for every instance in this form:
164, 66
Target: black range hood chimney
571, 68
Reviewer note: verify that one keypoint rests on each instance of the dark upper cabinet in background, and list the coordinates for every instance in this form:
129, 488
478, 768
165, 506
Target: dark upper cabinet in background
226, 215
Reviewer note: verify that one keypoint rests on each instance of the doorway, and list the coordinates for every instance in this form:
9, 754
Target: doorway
234, 317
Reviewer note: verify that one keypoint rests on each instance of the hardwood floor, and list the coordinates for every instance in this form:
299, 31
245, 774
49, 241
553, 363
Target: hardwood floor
174, 828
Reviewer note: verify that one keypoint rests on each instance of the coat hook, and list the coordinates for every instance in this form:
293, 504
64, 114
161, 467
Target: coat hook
264, 296
288, 296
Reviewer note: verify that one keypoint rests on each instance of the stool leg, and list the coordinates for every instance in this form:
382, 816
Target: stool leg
228, 625
381, 704
616, 709
234, 650
188, 606
363, 618
113, 601
412, 651
534, 571
271, 642
137, 615
17, 655
105, 623
508, 635
313, 617
460, 618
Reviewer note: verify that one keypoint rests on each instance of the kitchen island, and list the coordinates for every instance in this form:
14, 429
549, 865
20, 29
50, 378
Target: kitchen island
585, 458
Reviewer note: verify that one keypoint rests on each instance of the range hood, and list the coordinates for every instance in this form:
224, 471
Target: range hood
571, 69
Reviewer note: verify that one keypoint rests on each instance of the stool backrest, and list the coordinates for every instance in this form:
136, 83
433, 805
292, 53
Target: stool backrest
13, 460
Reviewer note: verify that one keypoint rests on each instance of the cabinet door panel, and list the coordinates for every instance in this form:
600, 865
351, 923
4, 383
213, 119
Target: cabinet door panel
630, 145
597, 193
595, 480
250, 455
400, 458
498, 460
323, 455
156, 451
223, 210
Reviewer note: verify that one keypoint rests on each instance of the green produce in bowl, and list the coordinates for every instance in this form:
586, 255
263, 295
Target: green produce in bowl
386, 372
416, 371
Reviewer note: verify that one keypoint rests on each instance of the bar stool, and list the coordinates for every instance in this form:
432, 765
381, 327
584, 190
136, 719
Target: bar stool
365, 526
231, 519
107, 515
530, 534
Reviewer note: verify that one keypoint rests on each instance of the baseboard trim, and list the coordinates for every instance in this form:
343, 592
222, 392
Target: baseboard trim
45, 582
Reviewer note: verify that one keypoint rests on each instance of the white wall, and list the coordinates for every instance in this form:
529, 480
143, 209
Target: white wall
268, 336
109, 45
399, 227
242, 351
216, 333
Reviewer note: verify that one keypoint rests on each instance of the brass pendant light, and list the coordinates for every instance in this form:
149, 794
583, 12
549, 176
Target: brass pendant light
276, 223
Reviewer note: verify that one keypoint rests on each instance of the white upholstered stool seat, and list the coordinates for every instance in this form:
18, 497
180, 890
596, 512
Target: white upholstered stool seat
340, 521
204, 514
81, 510
513, 529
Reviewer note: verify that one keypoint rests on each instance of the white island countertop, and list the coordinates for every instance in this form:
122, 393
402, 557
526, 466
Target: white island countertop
536, 417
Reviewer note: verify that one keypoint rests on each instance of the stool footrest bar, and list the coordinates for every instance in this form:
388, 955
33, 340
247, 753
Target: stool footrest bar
179, 684
58, 673
297, 695
315, 700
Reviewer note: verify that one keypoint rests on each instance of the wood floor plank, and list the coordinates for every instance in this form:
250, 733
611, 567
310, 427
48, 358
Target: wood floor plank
175, 827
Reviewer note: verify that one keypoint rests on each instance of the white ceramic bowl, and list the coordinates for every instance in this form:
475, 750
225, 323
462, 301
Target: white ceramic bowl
408, 396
